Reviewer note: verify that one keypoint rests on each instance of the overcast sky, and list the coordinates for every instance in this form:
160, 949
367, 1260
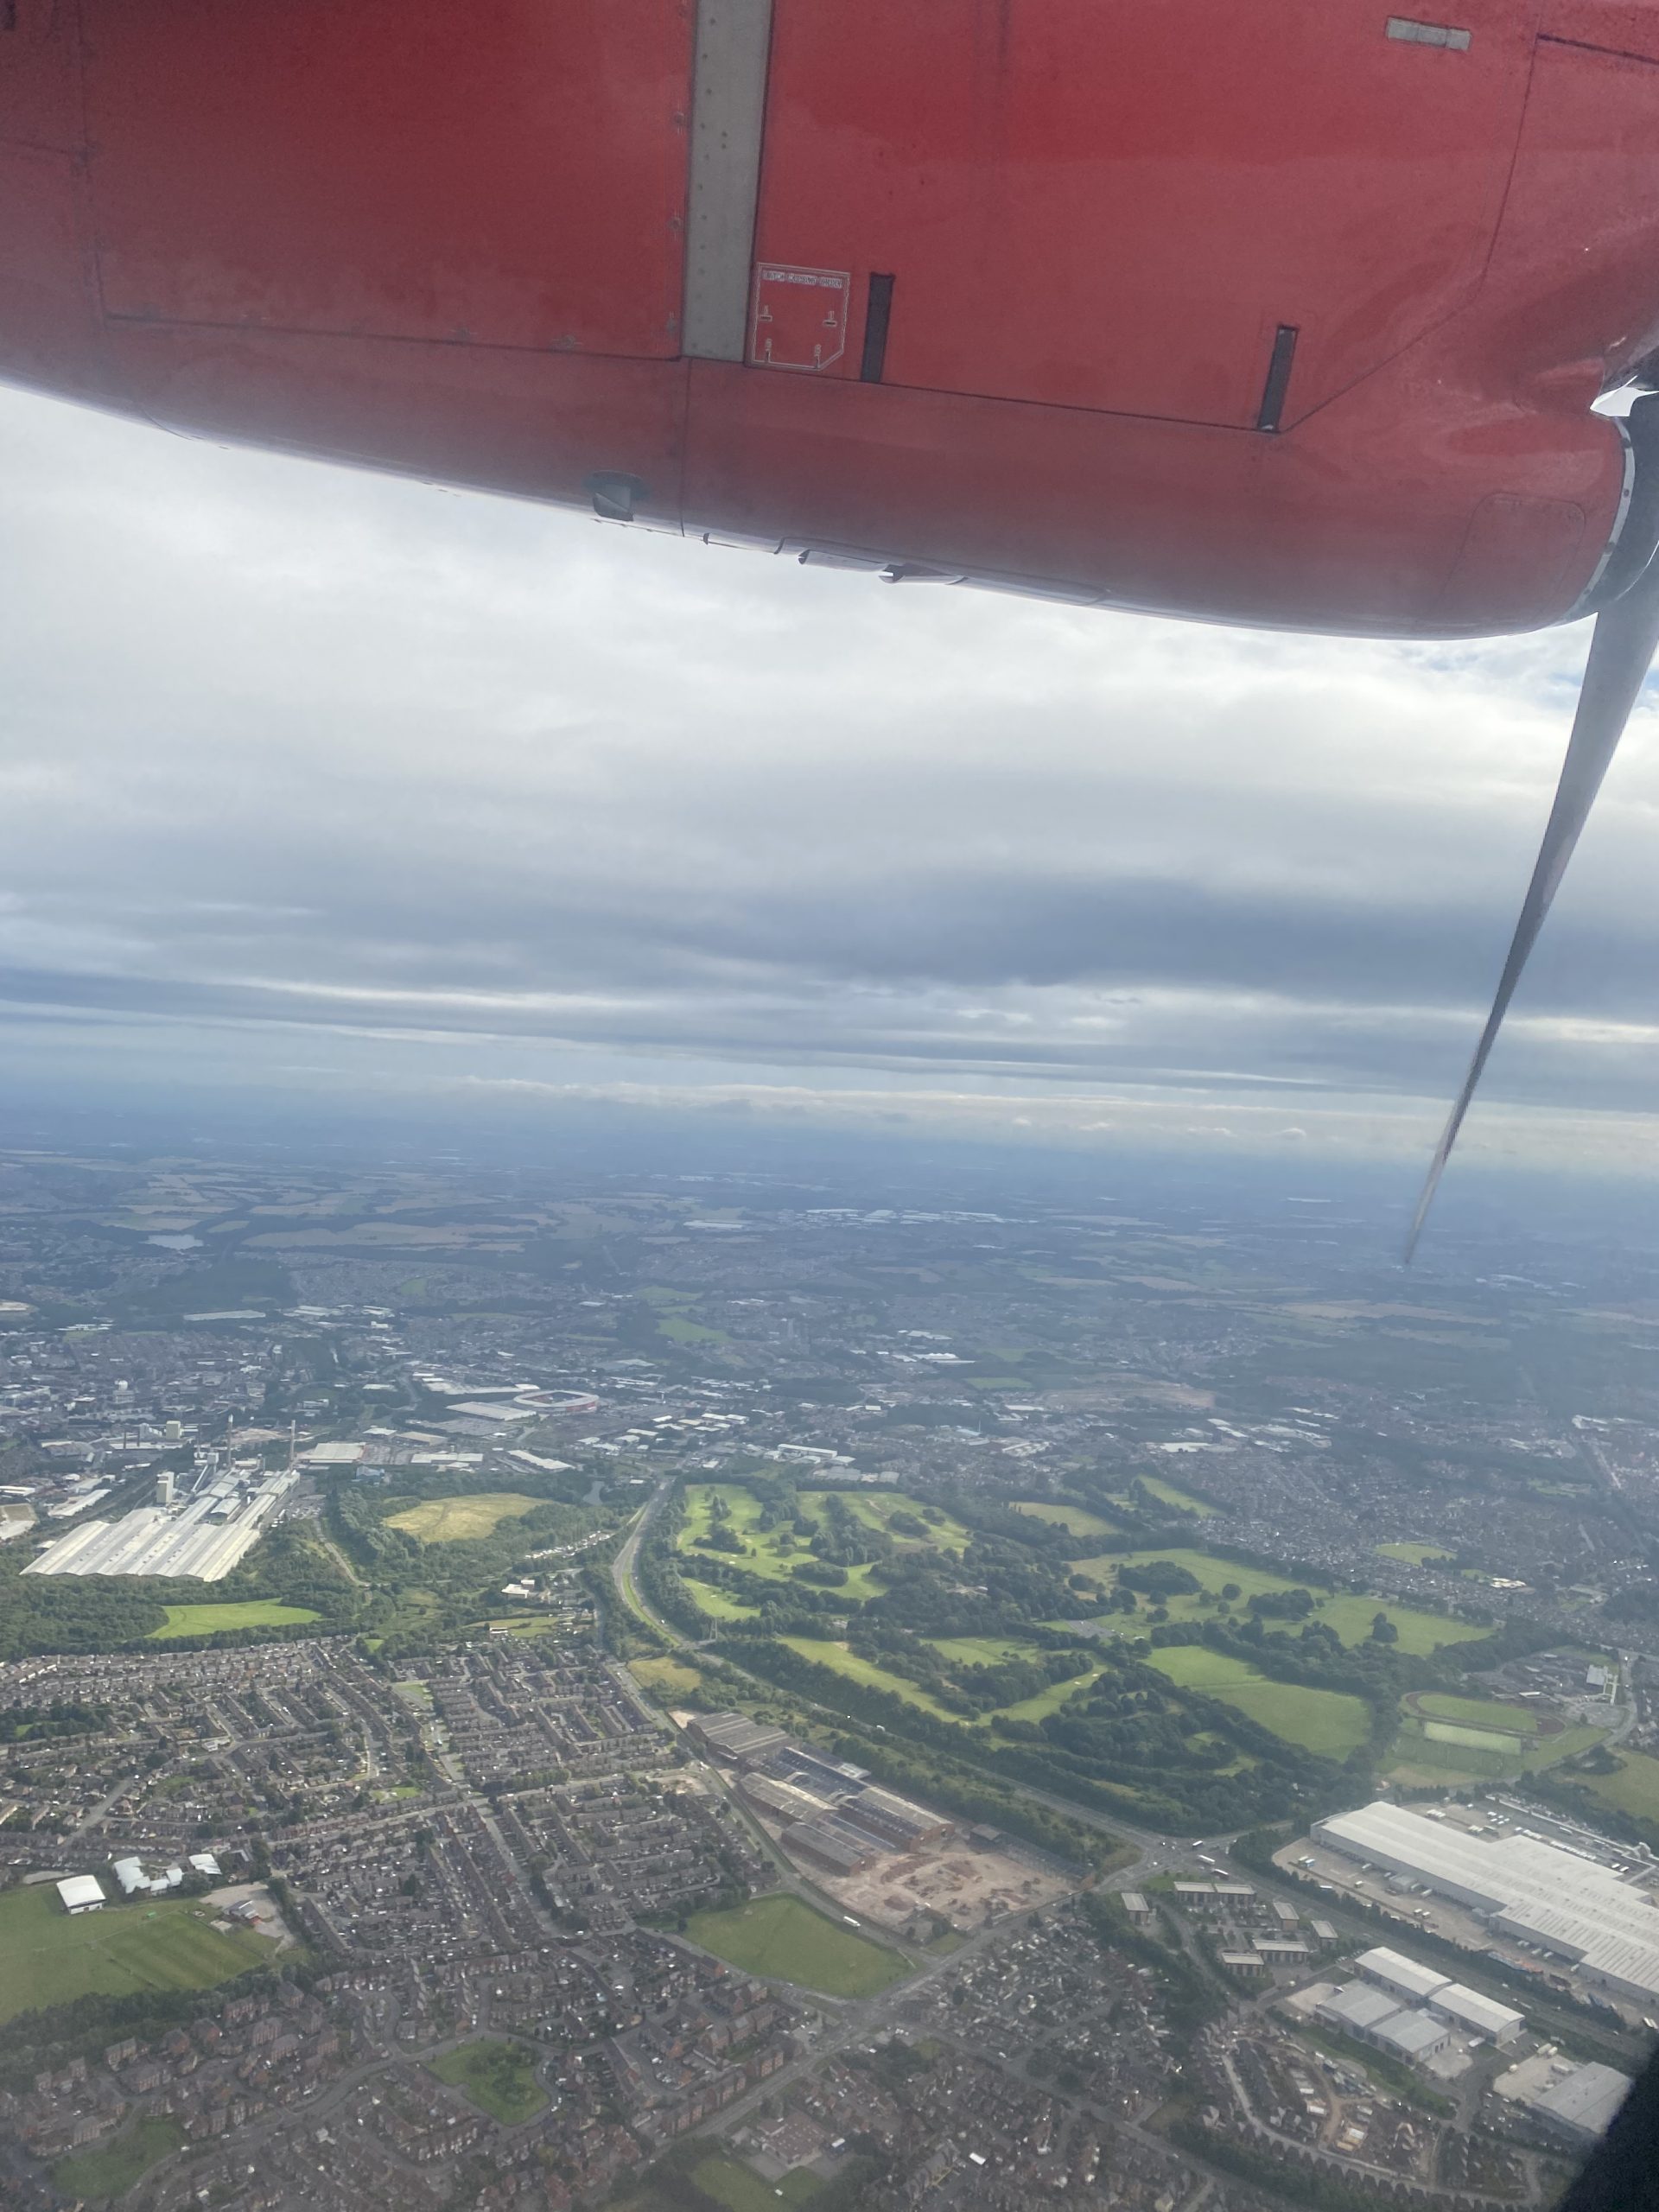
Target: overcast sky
339, 787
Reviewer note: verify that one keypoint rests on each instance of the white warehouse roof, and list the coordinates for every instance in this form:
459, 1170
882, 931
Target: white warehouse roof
1485, 2015
1560, 1900
1413, 2034
79, 1891
1354, 2005
1394, 1971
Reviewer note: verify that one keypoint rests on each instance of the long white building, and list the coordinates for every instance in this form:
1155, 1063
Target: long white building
203, 1539
1606, 1926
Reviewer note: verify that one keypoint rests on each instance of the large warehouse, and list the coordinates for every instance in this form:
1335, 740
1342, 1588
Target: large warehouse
1558, 1899
203, 1539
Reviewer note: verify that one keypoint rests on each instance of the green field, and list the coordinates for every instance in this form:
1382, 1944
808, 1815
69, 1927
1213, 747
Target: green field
112, 2170
1421, 1633
719, 1604
1413, 1554
499, 2076
1182, 1500
1075, 1518
774, 1553
1045, 1700
1351, 1617
210, 1620
1478, 1711
779, 1936
966, 1650
1634, 1790
977, 1651
666, 1678
679, 1330
1326, 1721
49, 1956
843, 1661
1449, 1752
740, 2190
459, 1519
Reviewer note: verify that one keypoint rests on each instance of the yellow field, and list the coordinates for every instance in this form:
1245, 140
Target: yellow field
457, 1520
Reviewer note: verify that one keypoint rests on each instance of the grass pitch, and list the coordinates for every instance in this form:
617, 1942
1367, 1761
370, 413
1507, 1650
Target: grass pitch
211, 1620
49, 1956
462, 1520
499, 2076
780, 1936
739, 2189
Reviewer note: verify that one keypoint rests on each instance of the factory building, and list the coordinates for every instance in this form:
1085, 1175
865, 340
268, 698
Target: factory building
833, 1843
814, 1770
1410, 1982
894, 1821
82, 1893
203, 1539
1574, 2105
1376, 2016
1463, 2008
1561, 1901
734, 1736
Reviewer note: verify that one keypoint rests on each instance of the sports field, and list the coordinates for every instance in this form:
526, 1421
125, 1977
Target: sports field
212, 1620
1326, 1721
739, 2189
112, 2170
497, 2075
1478, 1712
460, 1520
779, 1935
49, 1956
1413, 1554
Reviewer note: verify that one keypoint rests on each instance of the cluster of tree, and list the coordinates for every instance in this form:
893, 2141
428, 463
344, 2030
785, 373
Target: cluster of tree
71, 1612
460, 1575
1160, 1578
1282, 1605
39, 1724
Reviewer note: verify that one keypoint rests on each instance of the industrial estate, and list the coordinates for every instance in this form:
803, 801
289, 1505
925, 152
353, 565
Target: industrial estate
199, 1534
524, 1694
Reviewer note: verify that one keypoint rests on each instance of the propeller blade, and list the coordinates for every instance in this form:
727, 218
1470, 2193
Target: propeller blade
1621, 651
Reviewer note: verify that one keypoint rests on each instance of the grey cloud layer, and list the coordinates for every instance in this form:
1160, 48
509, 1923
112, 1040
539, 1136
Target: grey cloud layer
283, 747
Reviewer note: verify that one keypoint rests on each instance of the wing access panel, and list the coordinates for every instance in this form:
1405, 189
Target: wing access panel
1121, 207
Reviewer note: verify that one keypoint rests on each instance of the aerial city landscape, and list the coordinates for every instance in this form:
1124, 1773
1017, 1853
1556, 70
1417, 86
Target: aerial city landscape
523, 1689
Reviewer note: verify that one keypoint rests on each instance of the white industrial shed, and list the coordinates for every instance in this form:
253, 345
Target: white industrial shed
82, 1893
1560, 1900
1393, 1970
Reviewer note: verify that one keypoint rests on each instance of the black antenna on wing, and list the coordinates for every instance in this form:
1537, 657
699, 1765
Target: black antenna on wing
1621, 653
